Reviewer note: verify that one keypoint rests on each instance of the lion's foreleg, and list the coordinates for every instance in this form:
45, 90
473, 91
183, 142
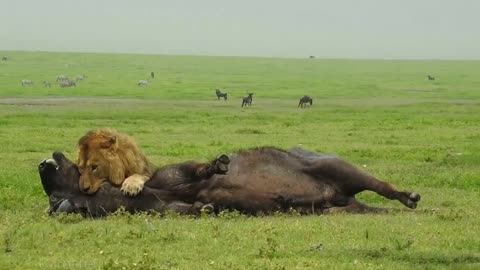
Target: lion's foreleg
134, 184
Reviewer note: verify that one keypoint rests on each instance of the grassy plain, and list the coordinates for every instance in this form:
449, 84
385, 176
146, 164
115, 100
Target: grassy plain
384, 116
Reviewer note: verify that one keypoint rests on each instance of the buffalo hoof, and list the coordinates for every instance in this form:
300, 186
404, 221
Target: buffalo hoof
62, 206
207, 208
221, 164
413, 198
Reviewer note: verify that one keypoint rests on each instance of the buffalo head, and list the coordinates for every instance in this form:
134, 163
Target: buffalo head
60, 178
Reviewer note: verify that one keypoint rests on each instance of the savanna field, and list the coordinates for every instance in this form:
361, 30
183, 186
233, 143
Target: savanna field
383, 116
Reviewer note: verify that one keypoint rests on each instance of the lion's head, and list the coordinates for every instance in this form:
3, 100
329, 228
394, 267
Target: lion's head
107, 155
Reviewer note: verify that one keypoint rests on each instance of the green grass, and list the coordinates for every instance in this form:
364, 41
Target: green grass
384, 116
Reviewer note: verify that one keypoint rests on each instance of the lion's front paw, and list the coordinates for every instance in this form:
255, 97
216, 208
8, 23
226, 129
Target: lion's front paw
132, 185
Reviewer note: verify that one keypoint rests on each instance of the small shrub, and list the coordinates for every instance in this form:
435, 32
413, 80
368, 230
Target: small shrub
269, 250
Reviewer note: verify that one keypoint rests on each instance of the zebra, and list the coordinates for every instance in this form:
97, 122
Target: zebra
304, 100
220, 94
46, 84
247, 101
67, 83
430, 78
80, 78
142, 83
61, 78
26, 82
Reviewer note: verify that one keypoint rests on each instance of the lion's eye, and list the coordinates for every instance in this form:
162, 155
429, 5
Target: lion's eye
94, 167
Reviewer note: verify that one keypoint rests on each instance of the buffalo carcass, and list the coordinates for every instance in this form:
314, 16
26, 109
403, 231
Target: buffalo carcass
258, 181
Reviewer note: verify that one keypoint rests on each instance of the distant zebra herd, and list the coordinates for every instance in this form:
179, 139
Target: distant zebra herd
62, 80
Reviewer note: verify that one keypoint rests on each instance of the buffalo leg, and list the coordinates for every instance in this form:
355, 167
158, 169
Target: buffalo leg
336, 204
218, 166
189, 209
244, 200
350, 181
202, 171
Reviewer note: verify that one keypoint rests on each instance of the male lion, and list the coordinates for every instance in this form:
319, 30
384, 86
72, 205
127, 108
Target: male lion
107, 155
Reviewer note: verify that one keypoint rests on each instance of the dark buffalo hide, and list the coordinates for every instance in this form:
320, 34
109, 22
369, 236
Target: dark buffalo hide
258, 181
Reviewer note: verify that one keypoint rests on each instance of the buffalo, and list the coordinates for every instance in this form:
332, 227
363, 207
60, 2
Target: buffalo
255, 181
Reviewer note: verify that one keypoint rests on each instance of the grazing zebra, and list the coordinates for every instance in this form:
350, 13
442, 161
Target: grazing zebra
430, 78
67, 83
142, 83
4, 58
80, 78
220, 94
61, 78
46, 84
304, 101
26, 82
247, 101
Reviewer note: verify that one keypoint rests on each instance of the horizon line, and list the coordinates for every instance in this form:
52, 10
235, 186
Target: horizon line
245, 56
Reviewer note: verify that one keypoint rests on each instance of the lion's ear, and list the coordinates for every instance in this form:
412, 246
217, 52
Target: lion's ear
110, 143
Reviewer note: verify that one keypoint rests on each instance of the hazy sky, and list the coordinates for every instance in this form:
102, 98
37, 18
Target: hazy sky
441, 29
